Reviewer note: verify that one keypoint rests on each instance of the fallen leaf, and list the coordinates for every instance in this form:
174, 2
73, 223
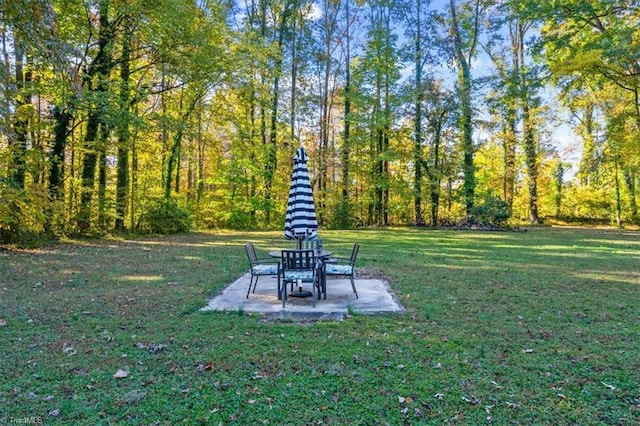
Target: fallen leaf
120, 374
3, 322
472, 400
401, 399
609, 386
205, 367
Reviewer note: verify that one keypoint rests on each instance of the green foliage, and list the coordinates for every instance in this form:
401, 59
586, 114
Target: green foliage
22, 214
492, 212
342, 218
164, 217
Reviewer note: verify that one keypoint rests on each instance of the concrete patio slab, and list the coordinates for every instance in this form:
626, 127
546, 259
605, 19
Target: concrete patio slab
375, 297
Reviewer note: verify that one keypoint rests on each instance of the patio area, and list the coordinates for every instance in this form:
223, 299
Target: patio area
375, 297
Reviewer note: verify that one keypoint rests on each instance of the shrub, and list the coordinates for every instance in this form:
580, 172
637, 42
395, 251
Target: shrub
492, 212
22, 214
165, 216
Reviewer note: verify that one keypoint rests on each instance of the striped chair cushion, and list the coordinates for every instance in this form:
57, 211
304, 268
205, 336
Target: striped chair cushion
333, 269
265, 269
298, 275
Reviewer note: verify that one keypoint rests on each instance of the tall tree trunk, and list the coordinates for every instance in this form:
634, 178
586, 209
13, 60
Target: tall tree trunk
509, 143
586, 168
62, 118
102, 177
618, 202
435, 172
346, 142
528, 130
466, 116
324, 123
272, 159
531, 160
200, 171
417, 131
559, 182
630, 181
98, 70
21, 120
134, 183
122, 166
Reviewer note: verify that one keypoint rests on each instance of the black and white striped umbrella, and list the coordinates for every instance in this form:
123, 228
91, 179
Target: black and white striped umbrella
300, 221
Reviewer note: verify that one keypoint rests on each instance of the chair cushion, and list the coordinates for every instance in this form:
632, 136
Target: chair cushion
265, 269
298, 275
333, 269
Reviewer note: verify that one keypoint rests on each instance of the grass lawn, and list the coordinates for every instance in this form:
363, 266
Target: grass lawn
537, 327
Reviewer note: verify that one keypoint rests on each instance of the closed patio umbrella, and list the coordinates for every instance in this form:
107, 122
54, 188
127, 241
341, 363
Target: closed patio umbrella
300, 220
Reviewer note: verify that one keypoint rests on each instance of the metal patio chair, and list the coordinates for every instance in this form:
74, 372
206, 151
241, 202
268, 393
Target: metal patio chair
297, 266
345, 267
260, 267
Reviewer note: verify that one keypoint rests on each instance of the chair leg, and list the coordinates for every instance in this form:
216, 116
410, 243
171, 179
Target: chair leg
251, 284
279, 289
353, 286
284, 294
255, 283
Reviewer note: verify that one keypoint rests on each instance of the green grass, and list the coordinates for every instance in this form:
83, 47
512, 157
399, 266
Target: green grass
538, 327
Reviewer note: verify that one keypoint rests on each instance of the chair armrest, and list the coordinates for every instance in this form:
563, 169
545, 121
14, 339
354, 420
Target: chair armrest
337, 259
342, 262
268, 260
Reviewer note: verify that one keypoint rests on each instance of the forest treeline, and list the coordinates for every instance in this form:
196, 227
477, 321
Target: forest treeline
153, 116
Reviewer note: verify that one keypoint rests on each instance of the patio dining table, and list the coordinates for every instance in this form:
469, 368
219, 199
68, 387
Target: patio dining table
322, 256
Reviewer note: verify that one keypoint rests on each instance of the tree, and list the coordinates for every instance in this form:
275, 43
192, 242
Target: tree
590, 45
465, 31
96, 85
418, 20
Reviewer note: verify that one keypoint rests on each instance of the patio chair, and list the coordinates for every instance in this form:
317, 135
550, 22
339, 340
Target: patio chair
345, 267
260, 267
297, 266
